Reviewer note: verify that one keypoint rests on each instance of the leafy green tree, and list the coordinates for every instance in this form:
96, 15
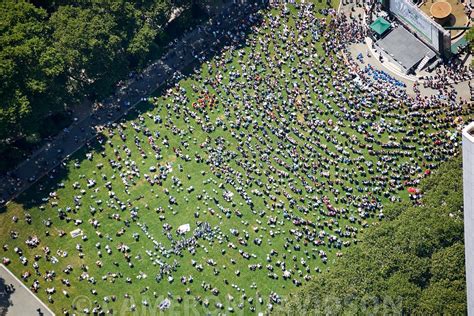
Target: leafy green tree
444, 298
24, 83
447, 292
140, 44
154, 15
92, 53
401, 295
448, 263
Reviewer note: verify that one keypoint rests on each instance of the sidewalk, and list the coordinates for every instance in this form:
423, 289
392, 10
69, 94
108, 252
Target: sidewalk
22, 301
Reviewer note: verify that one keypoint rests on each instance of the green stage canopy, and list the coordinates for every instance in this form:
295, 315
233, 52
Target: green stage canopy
380, 26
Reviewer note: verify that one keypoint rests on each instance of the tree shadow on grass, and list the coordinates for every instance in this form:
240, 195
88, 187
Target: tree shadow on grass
38, 193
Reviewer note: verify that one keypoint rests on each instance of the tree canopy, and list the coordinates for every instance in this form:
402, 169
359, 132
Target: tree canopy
24, 82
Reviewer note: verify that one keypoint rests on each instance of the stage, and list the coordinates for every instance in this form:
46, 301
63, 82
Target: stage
403, 48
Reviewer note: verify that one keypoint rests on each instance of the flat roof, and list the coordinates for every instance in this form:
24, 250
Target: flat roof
468, 132
404, 47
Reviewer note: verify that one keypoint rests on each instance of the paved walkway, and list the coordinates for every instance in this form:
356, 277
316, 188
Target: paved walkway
21, 301
195, 45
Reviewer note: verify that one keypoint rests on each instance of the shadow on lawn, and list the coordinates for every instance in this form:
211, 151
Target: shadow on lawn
38, 193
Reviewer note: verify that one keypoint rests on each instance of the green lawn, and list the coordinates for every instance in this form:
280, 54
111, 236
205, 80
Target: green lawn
271, 198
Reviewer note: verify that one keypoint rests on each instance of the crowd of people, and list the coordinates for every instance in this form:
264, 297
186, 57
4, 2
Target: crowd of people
448, 75
276, 154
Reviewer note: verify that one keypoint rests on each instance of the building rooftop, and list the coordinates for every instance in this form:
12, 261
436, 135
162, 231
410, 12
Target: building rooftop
468, 132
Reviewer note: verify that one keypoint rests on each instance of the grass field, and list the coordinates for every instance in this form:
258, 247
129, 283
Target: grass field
272, 198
